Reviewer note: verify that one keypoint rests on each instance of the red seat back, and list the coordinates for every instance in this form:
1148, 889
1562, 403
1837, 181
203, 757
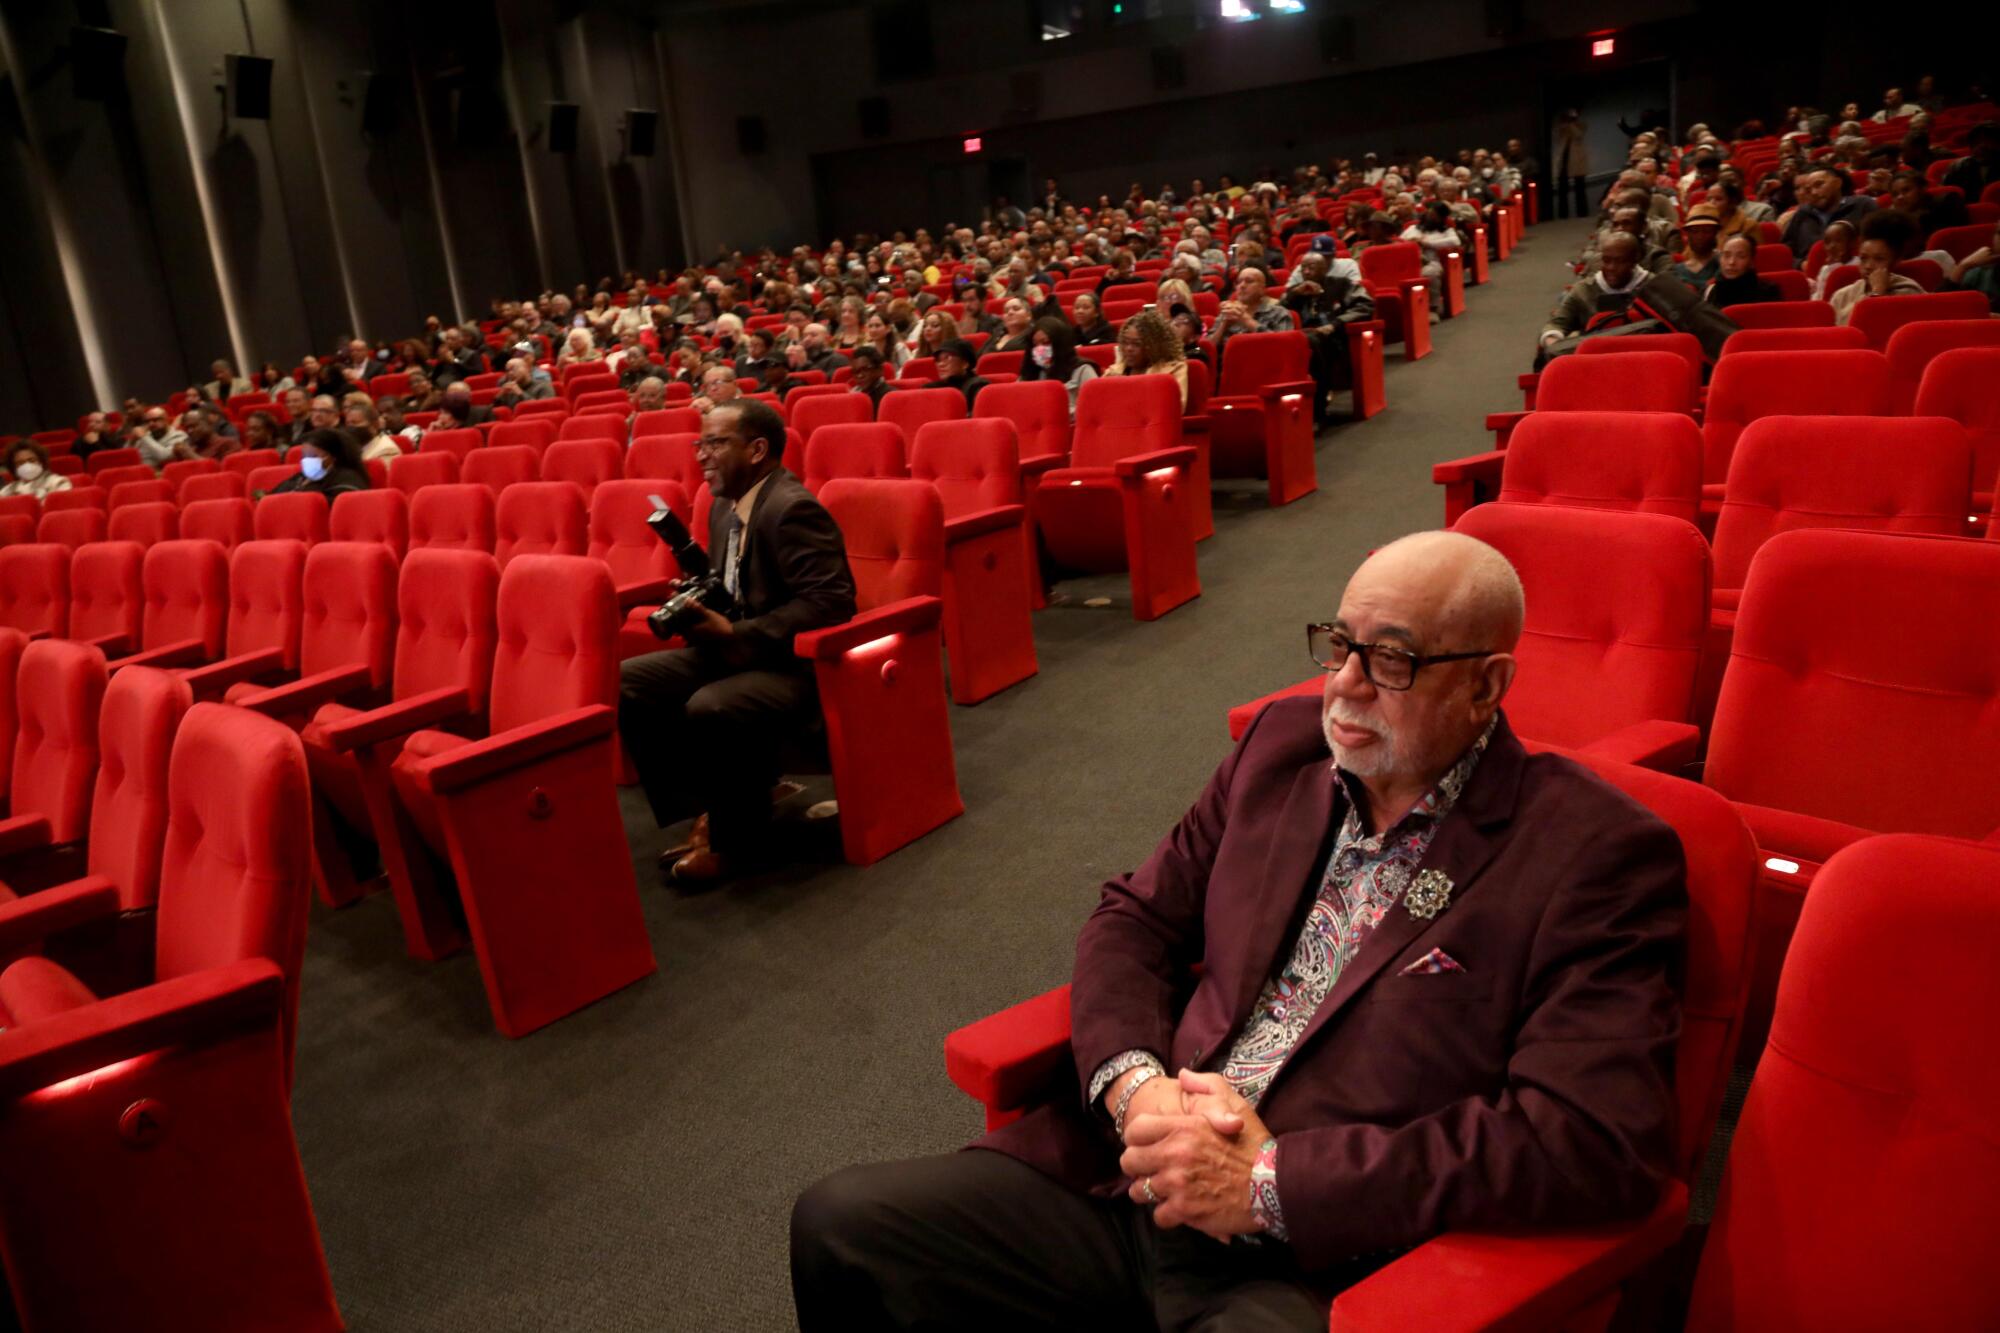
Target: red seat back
177, 474
382, 517
1638, 381
1749, 385
499, 466
1959, 242
583, 462
620, 535
671, 457
1397, 261
106, 596
557, 650
1815, 681
870, 449
1912, 347
110, 458
1959, 384
975, 465
911, 409
452, 518
1683, 345
919, 368
1252, 360
841, 407
603, 398
139, 718
446, 630
212, 486
248, 461
298, 515
34, 587
71, 528
611, 429
1122, 416
1833, 338
1883, 474
666, 421
226, 522
1039, 411
1648, 462
117, 476
1881, 316
410, 473
1878, 1054
138, 493
894, 534
187, 595
1003, 363
76, 497
158, 521
539, 518
457, 442
267, 599
350, 609
535, 433
58, 693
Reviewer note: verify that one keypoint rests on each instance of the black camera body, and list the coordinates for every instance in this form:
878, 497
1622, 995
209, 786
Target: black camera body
700, 586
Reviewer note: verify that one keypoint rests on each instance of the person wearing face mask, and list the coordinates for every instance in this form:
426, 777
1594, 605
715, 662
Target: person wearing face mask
329, 465
1052, 356
29, 463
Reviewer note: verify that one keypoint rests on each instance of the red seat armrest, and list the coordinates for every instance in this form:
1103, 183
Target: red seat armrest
1271, 392
110, 644
1181, 456
25, 922
1032, 468
305, 695
1503, 421
1361, 326
1525, 1280
211, 680
1001, 518
190, 1008
912, 613
1467, 468
644, 591
463, 765
400, 718
187, 652
1666, 746
1195, 425
1003, 1059
24, 833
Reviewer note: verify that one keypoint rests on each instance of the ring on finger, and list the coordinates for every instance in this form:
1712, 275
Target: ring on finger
1146, 1188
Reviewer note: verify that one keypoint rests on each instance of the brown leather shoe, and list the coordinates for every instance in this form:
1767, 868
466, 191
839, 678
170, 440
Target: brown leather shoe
701, 866
697, 841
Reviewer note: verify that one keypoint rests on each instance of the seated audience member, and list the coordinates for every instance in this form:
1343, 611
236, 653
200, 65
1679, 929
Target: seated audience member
1699, 262
1978, 272
329, 465
975, 319
1052, 356
578, 347
868, 377
1732, 218
1147, 346
31, 475
705, 724
1980, 167
846, 334
1436, 233
1931, 212
1017, 327
391, 409
520, 384
815, 352
758, 361
1611, 289
1894, 107
1326, 304
458, 401
649, 394
224, 383
1187, 327
1836, 248
1823, 200
879, 334
95, 436
1091, 328
955, 361
1736, 282
298, 406
1883, 236
262, 431
718, 386
1336, 1117
205, 439
424, 396
934, 330
1251, 311
365, 423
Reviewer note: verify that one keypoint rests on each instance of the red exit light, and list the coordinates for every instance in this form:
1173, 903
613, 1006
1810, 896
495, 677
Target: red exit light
972, 145
1603, 46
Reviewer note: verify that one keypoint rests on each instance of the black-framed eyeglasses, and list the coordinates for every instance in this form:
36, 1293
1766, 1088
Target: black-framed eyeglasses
1386, 667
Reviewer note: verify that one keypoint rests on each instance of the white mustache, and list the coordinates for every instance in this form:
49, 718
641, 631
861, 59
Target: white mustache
1338, 712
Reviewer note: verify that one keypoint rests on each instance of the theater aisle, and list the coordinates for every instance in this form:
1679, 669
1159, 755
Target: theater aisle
632, 1167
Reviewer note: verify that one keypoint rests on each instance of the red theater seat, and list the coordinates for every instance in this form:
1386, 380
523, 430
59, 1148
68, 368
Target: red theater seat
138, 492
1959, 385
157, 521
372, 516
1749, 385
452, 518
611, 429
1261, 414
266, 613
59, 689
1124, 503
347, 635
499, 466
225, 522
34, 588
666, 421
457, 443
1912, 348
196, 1065
912, 409
1832, 338
584, 462
107, 595
540, 518
1881, 316
71, 528
671, 458
873, 449
536, 433
295, 515
1781, 315
410, 473
76, 497
186, 619
1394, 276
212, 486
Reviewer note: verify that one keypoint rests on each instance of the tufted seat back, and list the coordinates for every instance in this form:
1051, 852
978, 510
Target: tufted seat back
894, 534
445, 631
1039, 410
1121, 416
1749, 385
128, 804
106, 595
1644, 462
72, 528
266, 600
452, 518
373, 516
620, 535
975, 465
227, 522
300, 515
34, 587
58, 692
187, 594
557, 650
858, 449
584, 462
349, 609
539, 518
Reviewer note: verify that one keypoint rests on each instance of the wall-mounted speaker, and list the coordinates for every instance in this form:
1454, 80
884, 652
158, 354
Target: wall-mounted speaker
96, 61
874, 112
1336, 40
1169, 69
751, 138
562, 127
642, 131
378, 104
249, 86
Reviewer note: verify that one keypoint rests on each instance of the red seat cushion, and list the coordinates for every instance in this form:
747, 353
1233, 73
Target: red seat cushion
34, 989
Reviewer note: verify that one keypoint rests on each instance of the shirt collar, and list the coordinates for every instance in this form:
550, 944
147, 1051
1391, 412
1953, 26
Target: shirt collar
747, 503
1438, 802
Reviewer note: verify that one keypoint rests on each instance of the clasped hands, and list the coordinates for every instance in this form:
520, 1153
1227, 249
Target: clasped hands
1189, 1146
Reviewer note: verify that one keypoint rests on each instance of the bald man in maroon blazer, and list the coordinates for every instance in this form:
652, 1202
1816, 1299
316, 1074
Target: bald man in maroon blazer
1436, 991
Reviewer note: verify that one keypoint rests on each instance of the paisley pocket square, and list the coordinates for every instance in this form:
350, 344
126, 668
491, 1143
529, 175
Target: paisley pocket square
1437, 960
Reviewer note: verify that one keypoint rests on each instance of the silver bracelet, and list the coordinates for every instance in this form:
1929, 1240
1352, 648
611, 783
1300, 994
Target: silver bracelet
1125, 1097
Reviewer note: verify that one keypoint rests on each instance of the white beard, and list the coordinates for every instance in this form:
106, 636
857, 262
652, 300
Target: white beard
1377, 760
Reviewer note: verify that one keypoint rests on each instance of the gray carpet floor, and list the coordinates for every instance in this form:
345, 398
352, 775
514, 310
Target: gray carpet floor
633, 1166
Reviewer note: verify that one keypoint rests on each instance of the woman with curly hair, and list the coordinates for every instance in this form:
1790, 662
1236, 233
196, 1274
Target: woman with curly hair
1148, 345
935, 330
848, 332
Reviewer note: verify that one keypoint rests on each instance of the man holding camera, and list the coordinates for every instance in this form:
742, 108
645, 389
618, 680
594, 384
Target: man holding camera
705, 724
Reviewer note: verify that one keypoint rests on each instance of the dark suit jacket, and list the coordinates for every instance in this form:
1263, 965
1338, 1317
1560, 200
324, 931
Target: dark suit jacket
793, 576
1533, 1088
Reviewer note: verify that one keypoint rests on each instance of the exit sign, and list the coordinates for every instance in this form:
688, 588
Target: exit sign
972, 145
1603, 46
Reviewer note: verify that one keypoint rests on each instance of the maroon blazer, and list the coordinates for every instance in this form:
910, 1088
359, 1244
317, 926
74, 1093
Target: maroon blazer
1533, 1088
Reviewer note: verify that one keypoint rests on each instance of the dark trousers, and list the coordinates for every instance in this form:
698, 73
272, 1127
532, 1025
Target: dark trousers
1565, 185
977, 1240
708, 736
1331, 367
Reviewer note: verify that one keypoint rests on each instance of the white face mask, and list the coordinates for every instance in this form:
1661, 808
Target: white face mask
313, 466
1044, 355
28, 472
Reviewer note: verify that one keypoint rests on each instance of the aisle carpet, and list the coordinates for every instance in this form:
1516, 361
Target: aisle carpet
633, 1166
